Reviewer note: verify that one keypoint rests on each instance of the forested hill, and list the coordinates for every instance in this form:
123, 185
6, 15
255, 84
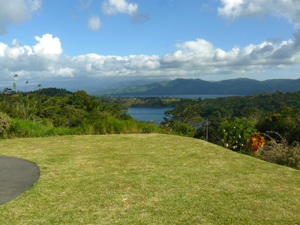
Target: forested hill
53, 92
241, 86
59, 92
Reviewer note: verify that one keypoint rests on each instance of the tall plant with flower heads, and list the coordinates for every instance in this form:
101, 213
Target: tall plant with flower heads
234, 133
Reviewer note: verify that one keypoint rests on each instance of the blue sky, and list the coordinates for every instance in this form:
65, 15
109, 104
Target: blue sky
97, 40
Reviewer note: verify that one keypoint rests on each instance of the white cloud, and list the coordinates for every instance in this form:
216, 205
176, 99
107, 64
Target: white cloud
26, 60
47, 46
64, 72
15, 11
288, 9
193, 58
202, 57
113, 7
94, 23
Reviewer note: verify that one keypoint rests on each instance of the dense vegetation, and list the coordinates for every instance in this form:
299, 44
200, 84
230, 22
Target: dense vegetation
143, 102
231, 121
38, 114
201, 87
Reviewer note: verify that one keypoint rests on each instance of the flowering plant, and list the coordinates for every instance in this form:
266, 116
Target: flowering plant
255, 143
234, 133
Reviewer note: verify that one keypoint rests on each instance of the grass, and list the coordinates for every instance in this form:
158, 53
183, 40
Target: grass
27, 128
108, 125
149, 179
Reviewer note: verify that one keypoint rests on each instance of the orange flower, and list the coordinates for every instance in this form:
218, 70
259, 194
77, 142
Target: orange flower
255, 142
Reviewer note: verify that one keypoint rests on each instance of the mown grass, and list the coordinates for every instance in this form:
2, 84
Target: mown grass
149, 179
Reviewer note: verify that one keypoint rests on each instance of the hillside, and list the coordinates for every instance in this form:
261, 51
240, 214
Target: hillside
149, 179
241, 86
53, 92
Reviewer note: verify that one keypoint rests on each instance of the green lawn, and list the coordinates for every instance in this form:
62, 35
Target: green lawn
149, 179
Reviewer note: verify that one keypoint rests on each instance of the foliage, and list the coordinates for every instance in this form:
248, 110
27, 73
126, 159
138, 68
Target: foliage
255, 143
76, 113
182, 119
234, 133
26, 128
144, 102
177, 128
250, 106
283, 121
4, 124
188, 112
279, 152
53, 92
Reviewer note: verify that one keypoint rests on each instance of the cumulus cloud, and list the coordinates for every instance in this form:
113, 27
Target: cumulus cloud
47, 46
201, 55
198, 57
113, 7
26, 60
94, 23
287, 9
15, 11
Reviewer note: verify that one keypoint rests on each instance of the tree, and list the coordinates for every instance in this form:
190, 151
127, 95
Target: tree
188, 112
26, 88
14, 84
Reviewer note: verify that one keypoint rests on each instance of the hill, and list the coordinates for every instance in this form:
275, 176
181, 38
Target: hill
149, 179
93, 89
53, 92
241, 86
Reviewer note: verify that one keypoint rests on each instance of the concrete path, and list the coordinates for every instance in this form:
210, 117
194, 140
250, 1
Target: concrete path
16, 176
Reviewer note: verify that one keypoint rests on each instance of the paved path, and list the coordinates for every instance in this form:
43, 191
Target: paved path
16, 176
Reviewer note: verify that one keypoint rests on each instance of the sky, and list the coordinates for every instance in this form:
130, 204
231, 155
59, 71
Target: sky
89, 42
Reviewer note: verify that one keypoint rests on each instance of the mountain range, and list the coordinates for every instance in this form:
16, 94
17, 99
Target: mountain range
240, 86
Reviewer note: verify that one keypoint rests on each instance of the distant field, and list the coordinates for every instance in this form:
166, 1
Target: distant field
149, 179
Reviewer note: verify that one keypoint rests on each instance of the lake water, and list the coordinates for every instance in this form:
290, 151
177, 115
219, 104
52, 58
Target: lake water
148, 114
157, 114
173, 96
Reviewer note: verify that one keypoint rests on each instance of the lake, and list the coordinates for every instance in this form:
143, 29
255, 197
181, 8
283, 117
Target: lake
148, 114
173, 96
157, 114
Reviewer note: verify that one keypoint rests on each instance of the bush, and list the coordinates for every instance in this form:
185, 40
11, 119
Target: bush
183, 129
4, 124
233, 134
280, 153
145, 127
26, 128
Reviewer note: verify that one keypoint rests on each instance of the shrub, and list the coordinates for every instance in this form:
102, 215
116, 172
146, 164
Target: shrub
233, 134
145, 127
107, 124
26, 128
280, 153
4, 124
183, 129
